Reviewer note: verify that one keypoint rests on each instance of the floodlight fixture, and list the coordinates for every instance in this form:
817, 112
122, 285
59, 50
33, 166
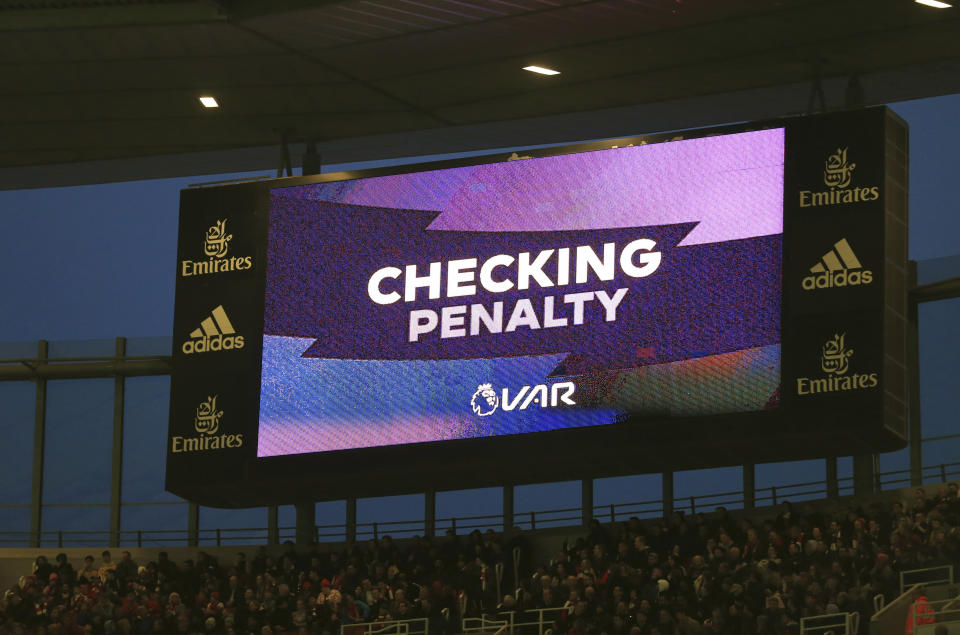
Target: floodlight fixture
541, 70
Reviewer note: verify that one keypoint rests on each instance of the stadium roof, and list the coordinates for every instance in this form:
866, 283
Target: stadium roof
111, 87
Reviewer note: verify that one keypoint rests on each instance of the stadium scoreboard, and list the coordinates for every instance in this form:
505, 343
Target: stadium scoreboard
729, 295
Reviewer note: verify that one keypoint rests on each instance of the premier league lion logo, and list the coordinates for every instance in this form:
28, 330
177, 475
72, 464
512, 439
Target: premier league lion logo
484, 402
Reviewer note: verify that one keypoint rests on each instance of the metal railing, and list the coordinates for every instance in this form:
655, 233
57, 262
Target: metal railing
83, 367
833, 624
895, 479
932, 576
486, 623
893, 616
416, 626
532, 520
507, 622
944, 612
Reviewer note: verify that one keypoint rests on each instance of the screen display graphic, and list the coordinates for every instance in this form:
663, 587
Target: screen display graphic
525, 296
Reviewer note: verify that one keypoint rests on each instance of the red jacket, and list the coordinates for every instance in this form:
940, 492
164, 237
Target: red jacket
920, 613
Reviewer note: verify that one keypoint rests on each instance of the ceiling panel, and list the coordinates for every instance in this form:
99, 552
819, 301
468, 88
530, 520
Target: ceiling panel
85, 80
166, 105
130, 43
201, 73
22, 5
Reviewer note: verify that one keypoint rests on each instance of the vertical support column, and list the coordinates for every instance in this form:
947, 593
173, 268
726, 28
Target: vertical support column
666, 489
351, 520
306, 523
862, 474
116, 472
429, 513
833, 481
507, 509
273, 525
749, 486
586, 501
914, 427
193, 524
39, 437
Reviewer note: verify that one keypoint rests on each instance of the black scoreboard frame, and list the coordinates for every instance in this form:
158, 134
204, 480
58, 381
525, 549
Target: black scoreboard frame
870, 211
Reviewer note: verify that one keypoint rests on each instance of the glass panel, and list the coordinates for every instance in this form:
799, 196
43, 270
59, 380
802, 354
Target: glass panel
895, 469
125, 238
16, 451
467, 507
18, 350
637, 495
940, 461
553, 505
145, 419
939, 343
331, 521
791, 480
395, 516
77, 453
83, 348
845, 475
75, 525
14, 526
160, 345
287, 522
156, 525
708, 489
236, 526
933, 127
937, 269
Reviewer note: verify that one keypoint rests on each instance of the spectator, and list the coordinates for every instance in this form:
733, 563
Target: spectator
88, 573
64, 570
106, 565
687, 575
126, 569
42, 569
920, 610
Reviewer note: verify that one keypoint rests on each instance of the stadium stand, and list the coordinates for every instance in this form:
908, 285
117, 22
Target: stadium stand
708, 573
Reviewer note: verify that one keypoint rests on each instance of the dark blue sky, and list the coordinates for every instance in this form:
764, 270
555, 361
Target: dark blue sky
99, 261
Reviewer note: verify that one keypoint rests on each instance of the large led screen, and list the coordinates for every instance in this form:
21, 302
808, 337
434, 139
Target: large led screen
524, 296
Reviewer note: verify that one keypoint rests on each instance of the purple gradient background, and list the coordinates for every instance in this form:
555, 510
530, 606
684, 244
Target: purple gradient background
732, 186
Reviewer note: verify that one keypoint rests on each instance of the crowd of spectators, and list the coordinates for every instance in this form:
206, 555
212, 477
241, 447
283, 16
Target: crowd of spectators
684, 575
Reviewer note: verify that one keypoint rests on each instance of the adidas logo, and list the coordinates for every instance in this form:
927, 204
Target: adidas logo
839, 267
216, 333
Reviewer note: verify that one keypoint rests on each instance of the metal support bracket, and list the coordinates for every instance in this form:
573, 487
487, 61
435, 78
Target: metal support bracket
284, 165
816, 88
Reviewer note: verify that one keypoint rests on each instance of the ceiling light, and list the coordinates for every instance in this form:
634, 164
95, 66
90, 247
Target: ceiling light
541, 70
209, 102
936, 4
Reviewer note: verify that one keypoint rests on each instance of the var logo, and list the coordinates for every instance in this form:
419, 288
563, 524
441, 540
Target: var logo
485, 400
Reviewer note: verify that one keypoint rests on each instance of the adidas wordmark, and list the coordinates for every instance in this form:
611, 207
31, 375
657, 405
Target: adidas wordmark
839, 267
215, 333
